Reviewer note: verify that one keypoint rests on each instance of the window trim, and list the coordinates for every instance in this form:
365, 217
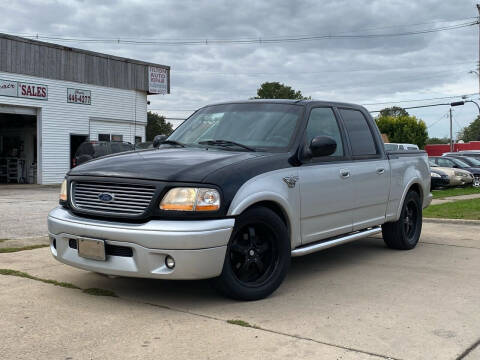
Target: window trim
326, 159
375, 136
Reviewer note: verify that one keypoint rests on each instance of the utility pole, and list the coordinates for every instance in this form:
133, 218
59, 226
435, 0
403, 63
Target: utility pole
478, 65
451, 132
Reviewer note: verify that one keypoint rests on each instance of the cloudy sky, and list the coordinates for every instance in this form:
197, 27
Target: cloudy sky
384, 68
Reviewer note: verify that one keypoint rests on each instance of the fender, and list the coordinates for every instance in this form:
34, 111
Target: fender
414, 181
271, 187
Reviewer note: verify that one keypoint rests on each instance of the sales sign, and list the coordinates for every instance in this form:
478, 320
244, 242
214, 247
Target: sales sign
8, 88
157, 80
78, 96
23, 90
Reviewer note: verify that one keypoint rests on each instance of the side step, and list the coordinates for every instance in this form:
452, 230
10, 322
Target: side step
311, 248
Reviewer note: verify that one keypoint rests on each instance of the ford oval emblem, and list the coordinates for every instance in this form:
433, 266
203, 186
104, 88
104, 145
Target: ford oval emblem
106, 197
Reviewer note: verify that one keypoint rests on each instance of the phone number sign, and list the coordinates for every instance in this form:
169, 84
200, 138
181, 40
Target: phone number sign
78, 96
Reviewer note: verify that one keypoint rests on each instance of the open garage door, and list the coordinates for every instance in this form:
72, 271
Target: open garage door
18, 149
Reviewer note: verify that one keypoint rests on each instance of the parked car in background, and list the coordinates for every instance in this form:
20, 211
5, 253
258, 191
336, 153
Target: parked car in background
470, 153
456, 177
457, 163
89, 150
144, 145
439, 178
400, 147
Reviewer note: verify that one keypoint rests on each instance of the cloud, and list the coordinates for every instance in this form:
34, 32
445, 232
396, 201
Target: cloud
354, 70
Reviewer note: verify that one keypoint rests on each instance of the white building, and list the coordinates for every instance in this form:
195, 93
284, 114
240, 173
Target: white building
52, 98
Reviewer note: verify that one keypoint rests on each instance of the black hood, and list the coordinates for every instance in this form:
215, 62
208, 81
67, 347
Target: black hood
165, 164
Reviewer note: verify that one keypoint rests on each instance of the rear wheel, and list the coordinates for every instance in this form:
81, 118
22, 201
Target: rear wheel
258, 256
405, 233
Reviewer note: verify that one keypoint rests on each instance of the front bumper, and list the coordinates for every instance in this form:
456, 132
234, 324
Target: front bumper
198, 247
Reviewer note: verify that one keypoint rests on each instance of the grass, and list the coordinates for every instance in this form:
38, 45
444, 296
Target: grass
2, 240
15, 249
90, 291
99, 292
440, 194
242, 323
461, 209
25, 275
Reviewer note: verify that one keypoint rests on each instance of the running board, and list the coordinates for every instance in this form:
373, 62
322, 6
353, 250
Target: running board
308, 249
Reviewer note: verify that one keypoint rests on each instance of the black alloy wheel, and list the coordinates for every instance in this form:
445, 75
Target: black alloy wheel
404, 233
253, 254
257, 257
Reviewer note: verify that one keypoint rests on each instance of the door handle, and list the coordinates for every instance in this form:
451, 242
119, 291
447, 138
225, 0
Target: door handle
380, 171
344, 173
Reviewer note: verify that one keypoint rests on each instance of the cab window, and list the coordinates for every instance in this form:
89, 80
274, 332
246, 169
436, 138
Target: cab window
322, 122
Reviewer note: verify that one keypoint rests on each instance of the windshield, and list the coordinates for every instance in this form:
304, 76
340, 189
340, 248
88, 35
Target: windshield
261, 126
460, 163
472, 161
391, 147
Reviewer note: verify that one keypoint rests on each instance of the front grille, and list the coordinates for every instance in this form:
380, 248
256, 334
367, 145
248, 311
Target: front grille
112, 199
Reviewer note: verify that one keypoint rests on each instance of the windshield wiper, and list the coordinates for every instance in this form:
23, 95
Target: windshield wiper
172, 142
226, 143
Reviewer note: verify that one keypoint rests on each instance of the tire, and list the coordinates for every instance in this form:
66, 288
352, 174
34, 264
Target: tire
404, 233
257, 258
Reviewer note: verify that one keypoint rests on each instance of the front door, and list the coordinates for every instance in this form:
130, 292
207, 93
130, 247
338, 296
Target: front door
326, 191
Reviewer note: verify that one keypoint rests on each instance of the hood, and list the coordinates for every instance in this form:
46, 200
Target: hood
164, 164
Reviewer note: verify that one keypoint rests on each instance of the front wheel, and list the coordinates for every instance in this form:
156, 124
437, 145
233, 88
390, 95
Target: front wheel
404, 233
258, 256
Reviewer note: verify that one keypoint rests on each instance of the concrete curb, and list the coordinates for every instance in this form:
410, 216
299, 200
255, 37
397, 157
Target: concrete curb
451, 221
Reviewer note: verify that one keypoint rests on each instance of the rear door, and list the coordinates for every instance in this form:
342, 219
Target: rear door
325, 185
370, 171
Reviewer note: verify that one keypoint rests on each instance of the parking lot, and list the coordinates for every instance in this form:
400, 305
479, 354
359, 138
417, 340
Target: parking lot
358, 301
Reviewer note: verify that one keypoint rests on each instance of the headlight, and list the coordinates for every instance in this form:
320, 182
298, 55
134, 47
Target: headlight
457, 173
435, 175
191, 199
63, 191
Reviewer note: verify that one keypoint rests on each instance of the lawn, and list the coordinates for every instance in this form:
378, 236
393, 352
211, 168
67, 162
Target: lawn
462, 209
438, 194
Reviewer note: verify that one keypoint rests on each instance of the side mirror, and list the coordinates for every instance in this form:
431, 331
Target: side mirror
320, 146
157, 140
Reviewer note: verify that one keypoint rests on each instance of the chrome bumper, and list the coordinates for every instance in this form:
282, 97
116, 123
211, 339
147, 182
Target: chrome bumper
198, 247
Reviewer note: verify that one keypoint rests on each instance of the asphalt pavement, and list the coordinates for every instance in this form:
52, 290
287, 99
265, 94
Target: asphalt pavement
357, 301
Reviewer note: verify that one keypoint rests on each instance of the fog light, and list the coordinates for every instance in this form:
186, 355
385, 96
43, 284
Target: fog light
169, 262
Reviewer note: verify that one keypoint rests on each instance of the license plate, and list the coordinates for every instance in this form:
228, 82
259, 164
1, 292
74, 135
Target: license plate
91, 249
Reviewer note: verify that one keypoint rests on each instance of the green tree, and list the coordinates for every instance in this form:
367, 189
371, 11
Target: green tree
403, 129
156, 125
470, 132
394, 111
436, 140
275, 90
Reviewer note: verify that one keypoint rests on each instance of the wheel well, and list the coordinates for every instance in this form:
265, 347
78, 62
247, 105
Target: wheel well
416, 187
277, 209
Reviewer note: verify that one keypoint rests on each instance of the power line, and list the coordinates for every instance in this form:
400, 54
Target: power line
415, 100
381, 103
266, 40
320, 72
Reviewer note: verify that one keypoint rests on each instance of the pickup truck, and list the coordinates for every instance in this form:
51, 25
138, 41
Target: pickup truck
236, 191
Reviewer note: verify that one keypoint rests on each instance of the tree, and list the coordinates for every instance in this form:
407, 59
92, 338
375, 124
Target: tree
156, 125
403, 129
275, 90
470, 132
394, 111
436, 140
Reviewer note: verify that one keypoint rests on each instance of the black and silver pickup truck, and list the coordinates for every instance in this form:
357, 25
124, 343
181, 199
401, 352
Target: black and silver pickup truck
236, 191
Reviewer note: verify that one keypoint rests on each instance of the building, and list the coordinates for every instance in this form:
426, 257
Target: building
439, 149
52, 98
